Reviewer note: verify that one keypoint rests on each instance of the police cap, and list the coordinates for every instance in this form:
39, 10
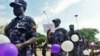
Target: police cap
56, 20
18, 4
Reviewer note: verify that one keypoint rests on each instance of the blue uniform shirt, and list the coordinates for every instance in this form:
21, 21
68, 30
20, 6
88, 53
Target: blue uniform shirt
20, 30
58, 36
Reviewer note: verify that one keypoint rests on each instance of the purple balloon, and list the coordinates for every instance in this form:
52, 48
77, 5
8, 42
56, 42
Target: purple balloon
55, 48
8, 49
1, 50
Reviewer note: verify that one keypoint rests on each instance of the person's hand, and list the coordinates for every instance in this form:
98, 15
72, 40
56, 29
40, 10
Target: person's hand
19, 46
49, 45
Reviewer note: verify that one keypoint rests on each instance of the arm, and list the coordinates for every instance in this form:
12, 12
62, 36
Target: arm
78, 33
48, 36
29, 42
32, 33
6, 30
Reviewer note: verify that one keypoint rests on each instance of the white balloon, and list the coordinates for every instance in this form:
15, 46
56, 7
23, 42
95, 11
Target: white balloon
74, 38
67, 46
49, 46
4, 39
95, 51
89, 50
86, 52
92, 43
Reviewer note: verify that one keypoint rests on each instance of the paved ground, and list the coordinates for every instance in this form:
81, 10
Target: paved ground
47, 54
40, 53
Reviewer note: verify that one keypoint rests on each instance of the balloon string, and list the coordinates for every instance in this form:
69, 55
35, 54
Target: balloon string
67, 54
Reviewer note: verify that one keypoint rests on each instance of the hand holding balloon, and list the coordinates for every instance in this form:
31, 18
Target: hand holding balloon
19, 45
55, 48
75, 38
67, 46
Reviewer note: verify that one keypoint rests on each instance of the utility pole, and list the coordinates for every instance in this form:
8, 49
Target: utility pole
76, 20
46, 16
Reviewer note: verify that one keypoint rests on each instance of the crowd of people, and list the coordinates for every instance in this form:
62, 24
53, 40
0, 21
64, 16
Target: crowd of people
22, 32
60, 35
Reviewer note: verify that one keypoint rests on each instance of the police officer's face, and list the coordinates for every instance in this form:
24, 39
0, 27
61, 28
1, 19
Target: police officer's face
71, 27
18, 11
56, 24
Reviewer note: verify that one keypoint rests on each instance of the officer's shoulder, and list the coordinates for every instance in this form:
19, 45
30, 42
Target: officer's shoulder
29, 18
63, 29
14, 19
77, 31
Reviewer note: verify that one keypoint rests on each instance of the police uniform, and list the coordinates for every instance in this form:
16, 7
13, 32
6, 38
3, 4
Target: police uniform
78, 46
44, 48
58, 37
20, 30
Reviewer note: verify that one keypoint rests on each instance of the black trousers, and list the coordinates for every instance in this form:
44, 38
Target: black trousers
43, 52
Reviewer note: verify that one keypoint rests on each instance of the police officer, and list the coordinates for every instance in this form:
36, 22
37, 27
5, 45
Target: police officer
59, 30
22, 29
77, 50
35, 48
58, 36
44, 48
50, 34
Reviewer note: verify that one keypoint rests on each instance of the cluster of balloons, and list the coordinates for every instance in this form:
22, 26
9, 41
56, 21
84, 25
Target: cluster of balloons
66, 46
7, 48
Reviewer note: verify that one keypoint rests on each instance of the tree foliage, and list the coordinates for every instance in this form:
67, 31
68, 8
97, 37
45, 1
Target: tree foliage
89, 34
40, 38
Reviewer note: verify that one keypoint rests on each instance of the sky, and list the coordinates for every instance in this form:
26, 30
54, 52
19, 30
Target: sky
88, 12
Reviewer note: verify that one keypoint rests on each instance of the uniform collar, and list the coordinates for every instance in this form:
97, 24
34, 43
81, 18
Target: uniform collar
21, 16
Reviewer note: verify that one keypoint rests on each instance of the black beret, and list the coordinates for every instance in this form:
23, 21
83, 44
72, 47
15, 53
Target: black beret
71, 25
56, 20
19, 3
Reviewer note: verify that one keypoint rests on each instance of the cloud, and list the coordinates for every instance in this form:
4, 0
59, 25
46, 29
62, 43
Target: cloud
98, 36
2, 7
12, 0
40, 18
93, 22
90, 22
4, 21
52, 8
61, 6
55, 7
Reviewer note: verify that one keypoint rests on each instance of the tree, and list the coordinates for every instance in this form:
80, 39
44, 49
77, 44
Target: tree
98, 42
89, 34
40, 38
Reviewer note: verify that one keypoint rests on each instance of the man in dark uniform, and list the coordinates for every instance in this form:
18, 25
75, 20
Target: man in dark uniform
22, 29
50, 36
58, 36
44, 48
59, 31
77, 50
